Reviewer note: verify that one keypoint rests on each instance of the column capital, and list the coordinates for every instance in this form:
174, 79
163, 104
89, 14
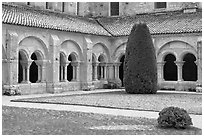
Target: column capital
117, 64
4, 60
179, 63
75, 63
95, 63
103, 64
161, 63
66, 63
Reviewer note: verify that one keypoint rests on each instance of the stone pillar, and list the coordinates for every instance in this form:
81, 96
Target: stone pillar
52, 65
160, 70
179, 69
199, 67
12, 57
24, 65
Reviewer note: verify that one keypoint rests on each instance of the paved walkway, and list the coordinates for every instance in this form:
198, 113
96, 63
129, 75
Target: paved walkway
196, 119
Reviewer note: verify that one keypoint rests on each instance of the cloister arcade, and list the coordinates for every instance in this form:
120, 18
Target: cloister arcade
75, 65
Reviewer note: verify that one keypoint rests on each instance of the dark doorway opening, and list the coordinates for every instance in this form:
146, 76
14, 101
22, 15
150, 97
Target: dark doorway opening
170, 68
121, 69
189, 68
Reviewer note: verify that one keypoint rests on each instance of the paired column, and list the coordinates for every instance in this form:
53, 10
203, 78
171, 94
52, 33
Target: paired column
76, 66
179, 69
116, 67
64, 71
95, 66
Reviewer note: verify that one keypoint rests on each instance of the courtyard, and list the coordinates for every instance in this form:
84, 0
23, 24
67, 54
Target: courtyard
100, 112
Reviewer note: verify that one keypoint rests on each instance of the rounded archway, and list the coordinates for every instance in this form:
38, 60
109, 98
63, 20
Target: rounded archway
189, 72
170, 68
121, 69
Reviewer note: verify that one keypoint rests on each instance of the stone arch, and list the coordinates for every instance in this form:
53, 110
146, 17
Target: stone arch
94, 59
102, 58
73, 57
119, 52
39, 55
70, 46
34, 35
175, 39
32, 44
176, 47
100, 48
182, 55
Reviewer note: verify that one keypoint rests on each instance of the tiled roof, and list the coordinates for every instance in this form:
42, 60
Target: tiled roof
172, 22
164, 23
26, 16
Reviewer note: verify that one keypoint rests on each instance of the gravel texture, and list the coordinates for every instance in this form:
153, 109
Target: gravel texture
30, 121
192, 103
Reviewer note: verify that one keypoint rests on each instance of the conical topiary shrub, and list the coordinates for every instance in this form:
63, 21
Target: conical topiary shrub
140, 75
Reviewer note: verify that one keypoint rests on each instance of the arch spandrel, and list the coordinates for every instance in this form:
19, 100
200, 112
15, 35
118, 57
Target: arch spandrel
32, 44
119, 52
70, 46
99, 49
175, 47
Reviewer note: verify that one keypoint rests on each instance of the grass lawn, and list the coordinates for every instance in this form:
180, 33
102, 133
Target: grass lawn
30, 121
120, 99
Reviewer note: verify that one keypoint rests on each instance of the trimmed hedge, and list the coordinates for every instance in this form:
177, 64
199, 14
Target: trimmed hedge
140, 72
174, 117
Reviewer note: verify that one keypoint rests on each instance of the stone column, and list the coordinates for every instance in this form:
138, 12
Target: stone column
65, 70
160, 70
179, 69
24, 66
95, 64
28, 71
105, 71
39, 64
116, 65
62, 72
75, 71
